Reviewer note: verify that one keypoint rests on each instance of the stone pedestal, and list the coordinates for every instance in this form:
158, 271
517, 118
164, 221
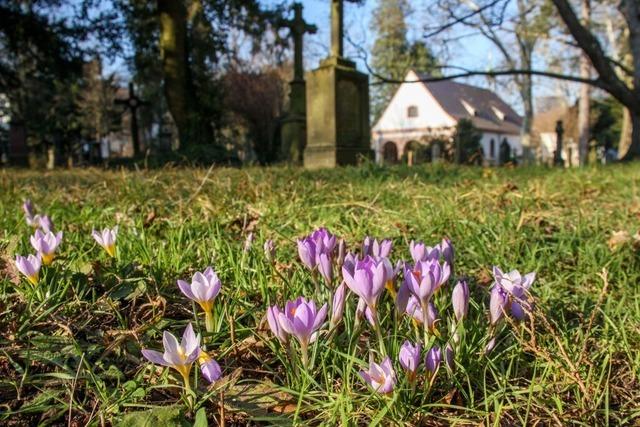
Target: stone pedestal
337, 115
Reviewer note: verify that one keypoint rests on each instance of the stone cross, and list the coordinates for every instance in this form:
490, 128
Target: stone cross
132, 103
298, 28
337, 28
557, 158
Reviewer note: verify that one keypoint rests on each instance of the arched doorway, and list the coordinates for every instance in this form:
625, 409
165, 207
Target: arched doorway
390, 152
414, 153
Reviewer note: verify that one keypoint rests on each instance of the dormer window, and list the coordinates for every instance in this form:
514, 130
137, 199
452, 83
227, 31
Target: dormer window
412, 111
469, 108
498, 113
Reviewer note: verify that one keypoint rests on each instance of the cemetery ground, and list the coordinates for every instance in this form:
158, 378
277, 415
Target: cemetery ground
70, 346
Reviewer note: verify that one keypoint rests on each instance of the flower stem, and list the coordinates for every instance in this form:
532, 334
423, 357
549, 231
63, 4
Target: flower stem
305, 355
187, 389
376, 327
208, 321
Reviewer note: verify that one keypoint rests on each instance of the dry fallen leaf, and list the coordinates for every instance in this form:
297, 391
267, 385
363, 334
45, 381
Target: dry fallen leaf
618, 238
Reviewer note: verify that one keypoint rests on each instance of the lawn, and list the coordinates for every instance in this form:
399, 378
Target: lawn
70, 346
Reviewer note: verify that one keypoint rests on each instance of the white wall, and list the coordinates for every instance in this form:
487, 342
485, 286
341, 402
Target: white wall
430, 114
514, 142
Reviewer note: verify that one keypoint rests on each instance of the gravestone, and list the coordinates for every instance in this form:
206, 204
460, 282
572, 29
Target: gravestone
435, 152
337, 106
294, 124
557, 158
132, 103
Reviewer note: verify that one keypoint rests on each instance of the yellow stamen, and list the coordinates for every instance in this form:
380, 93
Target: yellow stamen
111, 250
391, 288
47, 259
33, 279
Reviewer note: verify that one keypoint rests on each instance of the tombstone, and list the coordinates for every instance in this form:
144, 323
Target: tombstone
294, 124
505, 152
557, 157
337, 106
435, 152
133, 103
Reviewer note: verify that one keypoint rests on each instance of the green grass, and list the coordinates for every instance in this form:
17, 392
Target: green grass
70, 348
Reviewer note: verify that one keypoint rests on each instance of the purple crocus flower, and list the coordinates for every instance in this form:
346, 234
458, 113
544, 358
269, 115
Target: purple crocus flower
433, 359
421, 252
27, 207
307, 252
490, 346
342, 247
497, 304
516, 286
381, 377
273, 313
367, 280
210, 369
460, 300
426, 278
337, 307
415, 311
46, 244
409, 358
204, 289
447, 252
302, 320
107, 239
269, 250
449, 357
45, 223
325, 241
177, 355
376, 249
325, 267
30, 267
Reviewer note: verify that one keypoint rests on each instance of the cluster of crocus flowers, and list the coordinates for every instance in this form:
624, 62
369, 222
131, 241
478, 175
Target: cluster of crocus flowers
46, 244
36, 220
299, 319
510, 293
203, 289
316, 252
107, 239
181, 355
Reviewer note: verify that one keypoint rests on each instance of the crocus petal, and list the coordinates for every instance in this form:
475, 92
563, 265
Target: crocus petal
186, 289
155, 357
211, 370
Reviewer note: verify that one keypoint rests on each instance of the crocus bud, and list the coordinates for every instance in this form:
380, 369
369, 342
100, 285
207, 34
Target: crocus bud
273, 313
337, 307
490, 346
409, 358
27, 207
270, 250
449, 357
210, 368
460, 300
497, 304
307, 252
325, 267
44, 222
248, 242
433, 359
342, 247
446, 249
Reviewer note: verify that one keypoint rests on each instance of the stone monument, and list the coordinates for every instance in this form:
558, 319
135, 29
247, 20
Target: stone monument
337, 106
294, 123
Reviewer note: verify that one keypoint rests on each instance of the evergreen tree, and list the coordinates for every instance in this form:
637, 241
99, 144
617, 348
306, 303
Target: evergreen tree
392, 53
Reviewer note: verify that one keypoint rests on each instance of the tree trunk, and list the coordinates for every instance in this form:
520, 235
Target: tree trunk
585, 94
526, 93
631, 150
178, 86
